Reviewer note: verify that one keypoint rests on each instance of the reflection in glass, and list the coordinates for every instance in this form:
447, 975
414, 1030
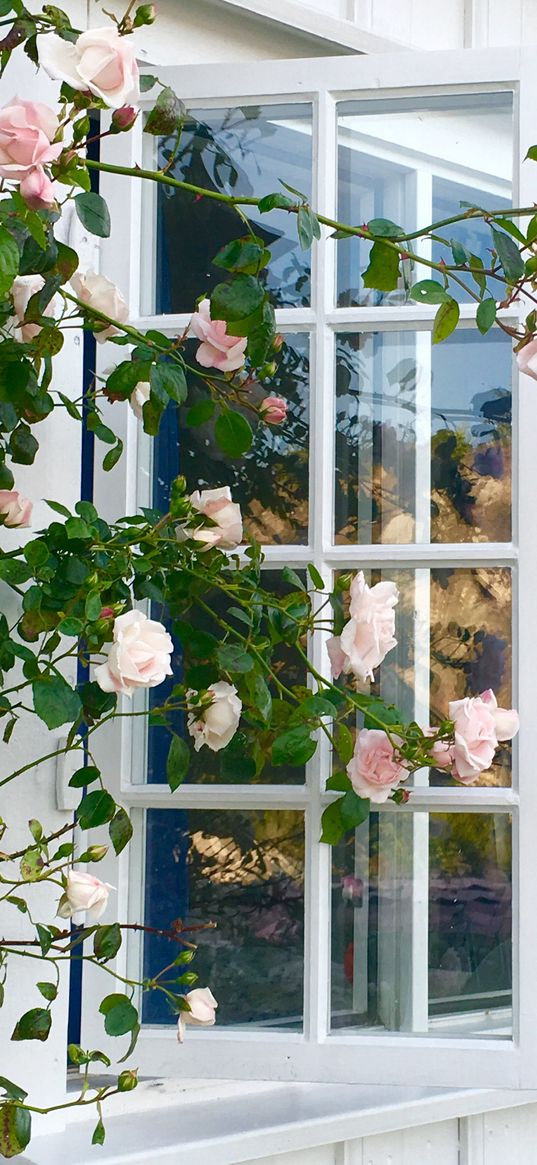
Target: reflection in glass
234, 764
423, 437
239, 151
454, 633
243, 870
421, 925
270, 482
389, 166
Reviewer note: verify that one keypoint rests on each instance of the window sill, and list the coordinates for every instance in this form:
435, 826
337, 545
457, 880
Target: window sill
227, 1122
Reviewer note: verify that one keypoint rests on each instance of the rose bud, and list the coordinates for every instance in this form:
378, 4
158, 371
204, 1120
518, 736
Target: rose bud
124, 118
145, 14
274, 410
278, 342
14, 509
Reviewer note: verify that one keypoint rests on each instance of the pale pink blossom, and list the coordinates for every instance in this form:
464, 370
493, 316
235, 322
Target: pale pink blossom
442, 753
27, 132
274, 410
217, 504
139, 398
100, 294
526, 358
22, 290
99, 60
216, 724
202, 1004
475, 738
139, 656
83, 893
506, 720
217, 350
38, 190
375, 770
368, 636
16, 510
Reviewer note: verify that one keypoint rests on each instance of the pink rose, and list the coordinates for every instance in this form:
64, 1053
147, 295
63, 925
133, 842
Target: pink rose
374, 771
37, 189
16, 510
274, 410
139, 398
217, 350
124, 118
216, 724
202, 1005
442, 753
100, 60
27, 131
103, 296
475, 738
369, 634
22, 290
526, 358
139, 656
506, 720
217, 505
83, 893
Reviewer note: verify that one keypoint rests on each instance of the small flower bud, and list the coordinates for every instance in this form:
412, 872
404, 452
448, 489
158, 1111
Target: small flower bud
269, 370
127, 1080
145, 14
124, 118
107, 613
278, 342
95, 853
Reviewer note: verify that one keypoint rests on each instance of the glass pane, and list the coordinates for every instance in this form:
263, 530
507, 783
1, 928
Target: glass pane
454, 631
421, 925
473, 233
233, 765
243, 870
423, 437
240, 151
270, 482
389, 166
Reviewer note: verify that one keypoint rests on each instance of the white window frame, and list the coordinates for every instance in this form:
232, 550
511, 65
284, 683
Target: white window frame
316, 1054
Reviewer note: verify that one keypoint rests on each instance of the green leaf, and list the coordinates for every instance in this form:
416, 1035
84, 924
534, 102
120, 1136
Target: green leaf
147, 81
237, 300
383, 270
338, 783
477, 268
178, 762
446, 320
15, 1130
48, 991
308, 227
55, 701
77, 528
429, 291
31, 865
293, 747
123, 380
93, 606
33, 1025
461, 254
45, 936
112, 457
11, 1090
316, 578
169, 379
275, 202
120, 1016
234, 659
23, 445
71, 627
107, 941
167, 114
486, 314
384, 228
532, 154
95, 809
261, 696
99, 1133
332, 827
509, 255
84, 777
120, 830
200, 413
93, 213
244, 255
233, 433
13, 571
344, 743
9, 261
354, 809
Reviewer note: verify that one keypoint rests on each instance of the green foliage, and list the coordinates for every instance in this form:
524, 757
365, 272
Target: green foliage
383, 270
55, 701
93, 213
33, 1025
15, 1129
120, 1016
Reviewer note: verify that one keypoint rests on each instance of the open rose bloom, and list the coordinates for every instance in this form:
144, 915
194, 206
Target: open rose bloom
526, 359
375, 770
479, 726
202, 1012
216, 724
217, 349
100, 60
14, 509
139, 656
100, 294
83, 894
22, 290
369, 634
225, 514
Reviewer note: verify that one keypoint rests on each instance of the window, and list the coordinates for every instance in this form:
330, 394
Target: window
399, 956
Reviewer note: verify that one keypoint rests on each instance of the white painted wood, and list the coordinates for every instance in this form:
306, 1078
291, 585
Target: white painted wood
510, 1135
429, 1145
